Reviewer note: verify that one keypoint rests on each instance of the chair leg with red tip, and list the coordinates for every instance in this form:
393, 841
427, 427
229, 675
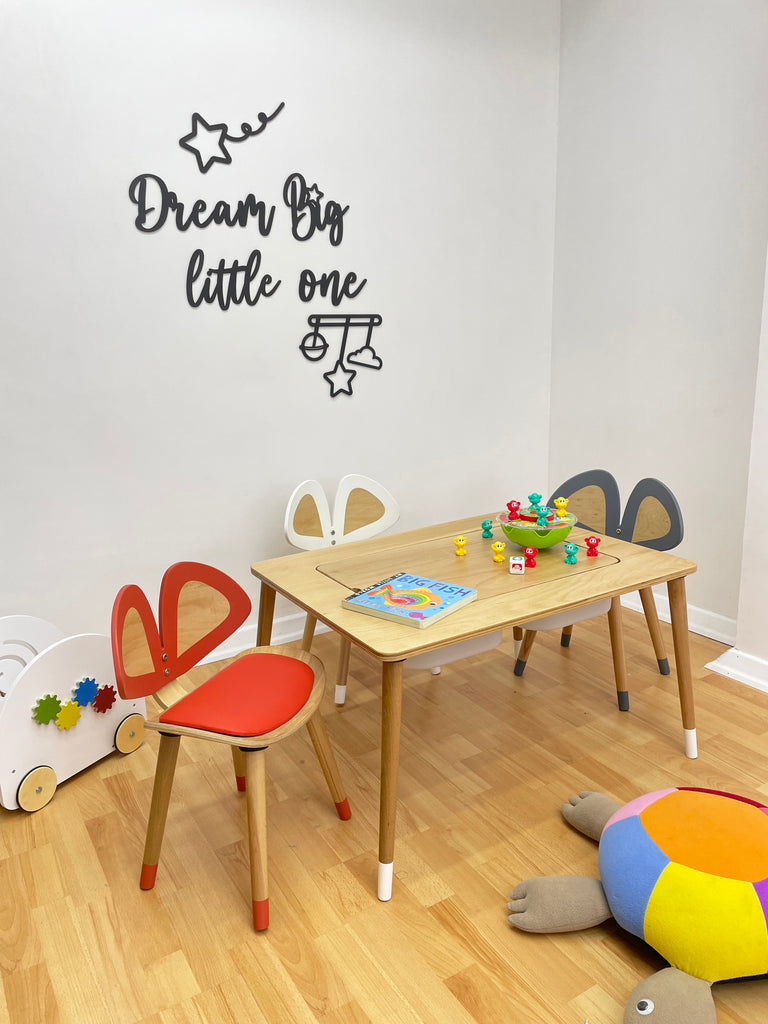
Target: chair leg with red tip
158, 812
238, 760
261, 915
256, 802
321, 743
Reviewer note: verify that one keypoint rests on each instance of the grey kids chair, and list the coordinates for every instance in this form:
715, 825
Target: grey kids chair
652, 517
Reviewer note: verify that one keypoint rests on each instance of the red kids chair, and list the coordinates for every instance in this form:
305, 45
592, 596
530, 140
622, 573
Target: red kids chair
258, 698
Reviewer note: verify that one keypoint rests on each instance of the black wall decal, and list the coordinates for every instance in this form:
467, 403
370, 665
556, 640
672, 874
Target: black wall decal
206, 141
225, 284
314, 347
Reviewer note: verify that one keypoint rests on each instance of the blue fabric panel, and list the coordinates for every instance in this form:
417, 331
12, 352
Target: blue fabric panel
630, 865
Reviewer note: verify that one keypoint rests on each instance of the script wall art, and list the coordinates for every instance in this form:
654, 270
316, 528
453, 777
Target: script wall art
225, 283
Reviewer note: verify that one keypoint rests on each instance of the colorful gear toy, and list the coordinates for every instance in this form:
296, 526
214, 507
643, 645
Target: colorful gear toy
46, 709
104, 699
85, 691
69, 715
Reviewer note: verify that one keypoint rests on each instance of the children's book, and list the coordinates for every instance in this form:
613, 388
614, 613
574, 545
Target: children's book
412, 600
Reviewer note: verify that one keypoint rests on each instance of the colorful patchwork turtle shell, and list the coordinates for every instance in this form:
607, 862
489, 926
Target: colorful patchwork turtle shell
687, 871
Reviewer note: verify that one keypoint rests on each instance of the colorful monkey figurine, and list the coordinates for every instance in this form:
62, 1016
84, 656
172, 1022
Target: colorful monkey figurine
498, 550
561, 504
530, 557
592, 543
513, 509
570, 553
486, 525
534, 499
461, 545
542, 513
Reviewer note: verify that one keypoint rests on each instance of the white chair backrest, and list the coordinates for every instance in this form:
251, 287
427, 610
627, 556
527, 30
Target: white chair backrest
362, 508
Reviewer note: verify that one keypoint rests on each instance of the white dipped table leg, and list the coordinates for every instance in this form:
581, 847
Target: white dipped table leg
386, 872
691, 747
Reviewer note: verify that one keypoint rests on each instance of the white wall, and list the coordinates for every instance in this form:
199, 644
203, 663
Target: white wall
662, 222
747, 661
752, 635
136, 429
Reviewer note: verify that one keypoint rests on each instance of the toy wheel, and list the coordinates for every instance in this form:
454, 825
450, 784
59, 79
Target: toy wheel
130, 734
36, 788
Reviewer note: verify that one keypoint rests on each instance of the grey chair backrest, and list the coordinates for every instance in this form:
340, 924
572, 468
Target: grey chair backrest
652, 516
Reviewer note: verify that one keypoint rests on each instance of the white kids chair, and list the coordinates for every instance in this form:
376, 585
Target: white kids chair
362, 508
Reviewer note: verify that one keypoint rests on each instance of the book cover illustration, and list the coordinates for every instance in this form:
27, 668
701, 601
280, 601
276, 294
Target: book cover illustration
411, 599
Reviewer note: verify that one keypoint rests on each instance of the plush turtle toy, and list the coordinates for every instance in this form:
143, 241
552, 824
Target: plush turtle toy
684, 869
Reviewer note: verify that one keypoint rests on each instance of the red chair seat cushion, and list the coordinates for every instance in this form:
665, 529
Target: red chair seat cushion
252, 696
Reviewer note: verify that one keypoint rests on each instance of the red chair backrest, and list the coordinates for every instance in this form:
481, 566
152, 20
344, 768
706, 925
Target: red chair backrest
199, 608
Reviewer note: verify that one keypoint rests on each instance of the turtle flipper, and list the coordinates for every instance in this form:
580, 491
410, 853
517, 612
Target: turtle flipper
671, 997
589, 812
558, 903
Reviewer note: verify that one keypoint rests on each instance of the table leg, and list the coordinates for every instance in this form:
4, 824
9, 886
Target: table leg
679, 615
309, 632
266, 615
391, 713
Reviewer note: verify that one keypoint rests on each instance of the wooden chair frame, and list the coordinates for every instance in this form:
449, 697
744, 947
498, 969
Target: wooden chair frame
331, 529
161, 658
625, 527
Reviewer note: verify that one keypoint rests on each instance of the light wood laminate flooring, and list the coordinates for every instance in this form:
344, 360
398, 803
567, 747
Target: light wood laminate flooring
486, 760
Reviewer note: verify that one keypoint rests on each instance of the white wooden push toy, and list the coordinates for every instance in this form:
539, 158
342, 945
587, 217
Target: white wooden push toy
60, 710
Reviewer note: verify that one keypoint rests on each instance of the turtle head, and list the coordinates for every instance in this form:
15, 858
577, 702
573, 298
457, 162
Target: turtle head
671, 997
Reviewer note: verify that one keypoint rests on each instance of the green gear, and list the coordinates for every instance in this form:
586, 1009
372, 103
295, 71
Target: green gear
46, 709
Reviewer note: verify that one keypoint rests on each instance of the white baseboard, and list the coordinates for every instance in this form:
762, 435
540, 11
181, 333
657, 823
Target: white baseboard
743, 667
701, 621
285, 629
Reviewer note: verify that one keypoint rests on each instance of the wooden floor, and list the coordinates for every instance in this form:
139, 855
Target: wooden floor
487, 758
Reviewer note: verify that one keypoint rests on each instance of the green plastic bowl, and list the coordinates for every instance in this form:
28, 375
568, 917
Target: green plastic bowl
529, 535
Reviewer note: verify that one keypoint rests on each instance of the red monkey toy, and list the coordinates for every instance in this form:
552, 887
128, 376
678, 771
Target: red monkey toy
530, 557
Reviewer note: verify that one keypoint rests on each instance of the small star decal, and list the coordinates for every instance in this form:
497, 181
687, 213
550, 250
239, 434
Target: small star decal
340, 373
206, 141
314, 195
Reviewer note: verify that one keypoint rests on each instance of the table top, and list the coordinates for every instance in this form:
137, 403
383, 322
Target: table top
318, 580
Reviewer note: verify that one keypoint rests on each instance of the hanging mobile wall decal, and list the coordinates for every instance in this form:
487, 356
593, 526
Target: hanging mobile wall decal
227, 283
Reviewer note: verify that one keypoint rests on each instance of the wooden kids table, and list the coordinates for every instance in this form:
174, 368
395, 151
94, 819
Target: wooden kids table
318, 580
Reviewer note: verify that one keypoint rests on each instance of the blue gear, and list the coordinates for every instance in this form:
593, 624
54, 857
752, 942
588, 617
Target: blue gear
85, 691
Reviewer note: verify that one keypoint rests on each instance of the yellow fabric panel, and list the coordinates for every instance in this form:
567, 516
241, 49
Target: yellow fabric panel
712, 928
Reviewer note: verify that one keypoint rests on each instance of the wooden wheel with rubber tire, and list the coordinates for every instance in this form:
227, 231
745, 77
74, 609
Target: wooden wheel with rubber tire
129, 735
36, 789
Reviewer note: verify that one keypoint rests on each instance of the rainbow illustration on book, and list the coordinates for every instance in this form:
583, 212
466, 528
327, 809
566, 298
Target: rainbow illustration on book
413, 600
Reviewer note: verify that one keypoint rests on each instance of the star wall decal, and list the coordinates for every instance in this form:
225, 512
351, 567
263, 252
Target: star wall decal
313, 194
340, 379
207, 141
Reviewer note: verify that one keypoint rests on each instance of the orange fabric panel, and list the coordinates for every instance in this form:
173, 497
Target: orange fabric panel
252, 696
710, 833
